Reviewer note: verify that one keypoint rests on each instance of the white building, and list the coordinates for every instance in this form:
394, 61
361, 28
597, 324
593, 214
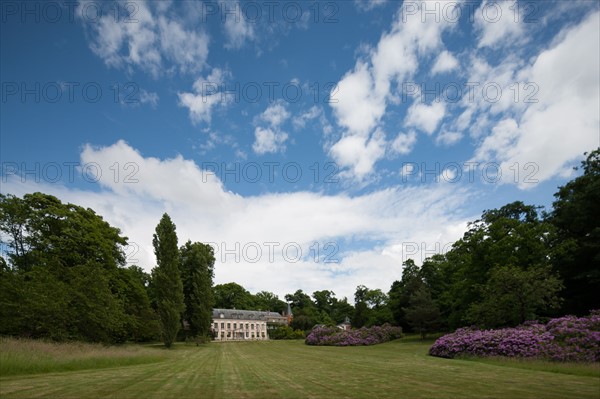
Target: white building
239, 325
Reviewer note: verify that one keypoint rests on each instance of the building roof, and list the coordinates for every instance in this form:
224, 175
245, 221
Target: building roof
243, 314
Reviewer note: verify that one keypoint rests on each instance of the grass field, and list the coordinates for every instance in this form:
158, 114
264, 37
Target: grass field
290, 369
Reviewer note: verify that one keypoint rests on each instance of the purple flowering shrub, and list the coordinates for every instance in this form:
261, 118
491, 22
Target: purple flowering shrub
567, 338
333, 336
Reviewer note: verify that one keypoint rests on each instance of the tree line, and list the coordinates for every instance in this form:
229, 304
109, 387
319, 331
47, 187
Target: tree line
64, 275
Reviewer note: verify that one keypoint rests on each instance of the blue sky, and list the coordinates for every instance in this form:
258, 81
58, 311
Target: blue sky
316, 144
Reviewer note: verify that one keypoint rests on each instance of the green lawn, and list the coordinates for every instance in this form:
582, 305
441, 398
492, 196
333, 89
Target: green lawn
293, 370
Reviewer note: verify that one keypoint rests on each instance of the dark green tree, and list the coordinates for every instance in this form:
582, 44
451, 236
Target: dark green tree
361, 310
422, 313
513, 235
576, 250
197, 264
63, 276
232, 296
265, 300
514, 295
167, 280
401, 291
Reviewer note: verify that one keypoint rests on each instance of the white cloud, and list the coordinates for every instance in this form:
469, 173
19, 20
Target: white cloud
499, 23
301, 120
367, 5
359, 153
204, 210
403, 143
275, 114
268, 141
147, 97
153, 41
425, 117
355, 104
207, 95
448, 138
363, 93
564, 120
185, 48
238, 29
271, 139
445, 62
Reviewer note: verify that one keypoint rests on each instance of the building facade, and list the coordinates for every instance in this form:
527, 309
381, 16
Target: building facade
241, 325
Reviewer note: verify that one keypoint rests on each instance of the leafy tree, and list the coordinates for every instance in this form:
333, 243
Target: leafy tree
341, 309
361, 310
142, 321
306, 314
576, 250
265, 300
370, 307
167, 280
63, 276
513, 235
513, 295
401, 291
197, 262
232, 296
324, 300
286, 332
422, 313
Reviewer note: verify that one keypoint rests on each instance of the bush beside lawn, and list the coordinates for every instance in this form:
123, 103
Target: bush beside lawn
568, 338
333, 336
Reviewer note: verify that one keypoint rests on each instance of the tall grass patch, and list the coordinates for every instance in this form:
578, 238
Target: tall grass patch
27, 356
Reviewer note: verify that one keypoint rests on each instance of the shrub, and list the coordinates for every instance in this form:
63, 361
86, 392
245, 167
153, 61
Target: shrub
286, 332
333, 336
567, 338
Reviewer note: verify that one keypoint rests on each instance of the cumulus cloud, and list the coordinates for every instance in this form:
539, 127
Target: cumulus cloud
238, 29
403, 143
272, 138
367, 5
206, 96
364, 93
153, 40
396, 218
445, 62
561, 120
447, 137
425, 117
499, 23
359, 153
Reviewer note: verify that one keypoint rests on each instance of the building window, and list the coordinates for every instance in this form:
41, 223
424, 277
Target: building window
247, 334
252, 335
222, 326
228, 326
222, 334
228, 334
216, 326
263, 334
252, 326
234, 326
247, 328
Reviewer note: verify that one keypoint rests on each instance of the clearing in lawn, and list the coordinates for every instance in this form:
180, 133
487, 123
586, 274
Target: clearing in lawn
290, 369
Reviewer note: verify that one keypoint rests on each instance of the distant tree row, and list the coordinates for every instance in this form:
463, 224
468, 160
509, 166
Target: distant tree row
182, 284
64, 278
64, 275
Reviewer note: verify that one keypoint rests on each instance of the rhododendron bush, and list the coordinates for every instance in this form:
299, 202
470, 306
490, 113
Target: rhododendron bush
333, 336
566, 338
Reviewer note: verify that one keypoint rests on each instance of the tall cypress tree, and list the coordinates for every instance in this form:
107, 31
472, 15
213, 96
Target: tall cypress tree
197, 262
167, 280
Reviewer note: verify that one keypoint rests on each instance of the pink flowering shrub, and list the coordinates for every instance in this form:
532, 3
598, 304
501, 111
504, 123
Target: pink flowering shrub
568, 338
333, 336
